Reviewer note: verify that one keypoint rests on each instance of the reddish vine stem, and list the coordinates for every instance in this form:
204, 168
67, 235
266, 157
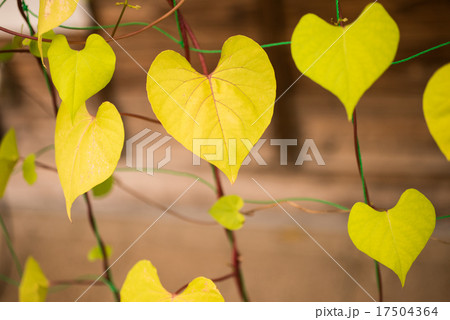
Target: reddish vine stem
14, 51
236, 258
155, 204
22, 35
44, 166
201, 56
187, 52
223, 278
138, 116
128, 35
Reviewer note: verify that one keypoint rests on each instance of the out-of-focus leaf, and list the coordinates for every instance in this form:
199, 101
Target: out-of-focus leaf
226, 212
9, 155
29, 169
103, 188
96, 253
142, 285
34, 285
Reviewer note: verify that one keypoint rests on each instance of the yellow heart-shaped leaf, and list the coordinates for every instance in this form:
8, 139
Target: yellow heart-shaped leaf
226, 212
436, 108
33, 285
78, 75
51, 14
29, 169
346, 60
142, 285
86, 150
393, 237
219, 116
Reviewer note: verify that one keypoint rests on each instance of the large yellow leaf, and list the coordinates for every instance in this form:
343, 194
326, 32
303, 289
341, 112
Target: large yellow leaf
346, 61
142, 285
394, 237
33, 285
211, 114
51, 14
86, 150
436, 108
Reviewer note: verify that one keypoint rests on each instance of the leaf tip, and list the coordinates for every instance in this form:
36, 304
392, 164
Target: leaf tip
68, 209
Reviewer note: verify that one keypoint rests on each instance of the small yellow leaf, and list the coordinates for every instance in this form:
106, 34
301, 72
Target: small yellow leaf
436, 108
86, 150
219, 116
51, 14
142, 285
96, 253
34, 285
226, 212
29, 169
9, 155
346, 61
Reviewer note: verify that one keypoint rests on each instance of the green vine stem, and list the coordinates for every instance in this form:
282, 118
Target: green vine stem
51, 89
292, 199
359, 159
366, 198
90, 280
11, 247
101, 244
8, 280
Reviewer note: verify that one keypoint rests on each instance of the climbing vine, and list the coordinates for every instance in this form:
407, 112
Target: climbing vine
219, 116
